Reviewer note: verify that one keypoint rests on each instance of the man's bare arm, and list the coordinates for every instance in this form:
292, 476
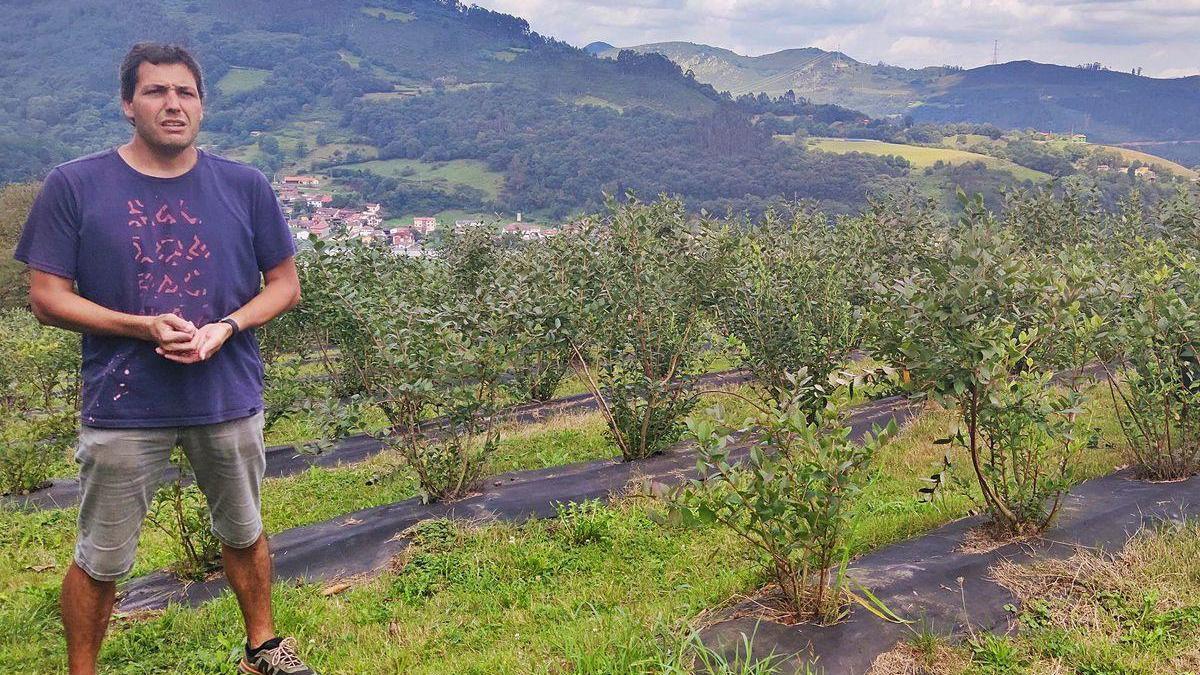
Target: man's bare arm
281, 292
55, 303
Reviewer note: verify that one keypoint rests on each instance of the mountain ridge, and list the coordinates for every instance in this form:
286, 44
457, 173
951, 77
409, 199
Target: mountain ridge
1111, 105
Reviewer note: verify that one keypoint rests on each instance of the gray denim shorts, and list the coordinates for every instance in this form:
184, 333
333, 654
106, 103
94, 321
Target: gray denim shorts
120, 470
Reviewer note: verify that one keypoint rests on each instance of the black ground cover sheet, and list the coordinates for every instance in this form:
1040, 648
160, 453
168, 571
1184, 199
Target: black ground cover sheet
285, 460
366, 540
919, 578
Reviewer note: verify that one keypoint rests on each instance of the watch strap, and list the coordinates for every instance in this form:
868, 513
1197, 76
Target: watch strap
232, 324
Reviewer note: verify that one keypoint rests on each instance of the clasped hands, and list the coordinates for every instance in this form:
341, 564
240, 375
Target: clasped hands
179, 340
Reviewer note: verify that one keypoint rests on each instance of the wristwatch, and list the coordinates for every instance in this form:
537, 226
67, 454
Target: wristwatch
232, 324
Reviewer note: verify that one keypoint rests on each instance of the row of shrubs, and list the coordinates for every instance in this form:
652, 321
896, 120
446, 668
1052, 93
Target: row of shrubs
977, 313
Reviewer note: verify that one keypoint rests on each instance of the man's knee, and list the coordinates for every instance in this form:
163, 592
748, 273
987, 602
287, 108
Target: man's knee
79, 579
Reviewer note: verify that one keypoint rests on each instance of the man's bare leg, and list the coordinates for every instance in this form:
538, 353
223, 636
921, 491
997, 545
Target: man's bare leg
249, 573
86, 606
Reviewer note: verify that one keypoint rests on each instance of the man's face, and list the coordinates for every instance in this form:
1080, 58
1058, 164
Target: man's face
166, 108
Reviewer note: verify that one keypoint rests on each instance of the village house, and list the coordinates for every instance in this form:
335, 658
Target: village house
424, 226
461, 226
526, 231
412, 250
1145, 173
402, 236
301, 180
319, 228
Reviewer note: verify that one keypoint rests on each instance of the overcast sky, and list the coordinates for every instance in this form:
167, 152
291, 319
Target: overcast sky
1161, 36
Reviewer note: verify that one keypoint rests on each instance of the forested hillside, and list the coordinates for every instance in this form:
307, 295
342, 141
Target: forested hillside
430, 106
274, 60
324, 85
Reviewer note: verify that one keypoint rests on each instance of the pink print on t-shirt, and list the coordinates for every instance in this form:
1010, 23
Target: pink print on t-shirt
171, 257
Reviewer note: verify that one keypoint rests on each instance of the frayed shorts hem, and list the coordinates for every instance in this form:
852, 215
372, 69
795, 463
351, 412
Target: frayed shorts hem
242, 545
90, 570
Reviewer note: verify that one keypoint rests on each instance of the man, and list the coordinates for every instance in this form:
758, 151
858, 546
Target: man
165, 258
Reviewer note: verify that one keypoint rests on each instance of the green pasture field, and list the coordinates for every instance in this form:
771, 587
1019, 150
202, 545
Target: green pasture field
240, 79
389, 14
352, 60
922, 156
597, 101
469, 172
608, 591
968, 140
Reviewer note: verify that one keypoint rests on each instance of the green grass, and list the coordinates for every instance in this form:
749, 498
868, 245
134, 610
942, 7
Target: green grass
14, 282
468, 172
388, 14
501, 598
968, 140
239, 79
387, 96
597, 101
922, 157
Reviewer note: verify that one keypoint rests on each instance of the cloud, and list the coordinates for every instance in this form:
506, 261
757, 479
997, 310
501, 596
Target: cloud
1157, 35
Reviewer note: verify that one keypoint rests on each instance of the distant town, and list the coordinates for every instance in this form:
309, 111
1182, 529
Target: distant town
311, 214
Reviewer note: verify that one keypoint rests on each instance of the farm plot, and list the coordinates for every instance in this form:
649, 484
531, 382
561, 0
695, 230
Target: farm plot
772, 491
240, 79
465, 172
922, 156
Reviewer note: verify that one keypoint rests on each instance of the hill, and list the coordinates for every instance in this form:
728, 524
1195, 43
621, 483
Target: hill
818, 75
422, 105
597, 48
429, 106
275, 65
1107, 105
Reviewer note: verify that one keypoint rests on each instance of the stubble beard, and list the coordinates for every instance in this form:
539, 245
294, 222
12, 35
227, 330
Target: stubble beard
165, 145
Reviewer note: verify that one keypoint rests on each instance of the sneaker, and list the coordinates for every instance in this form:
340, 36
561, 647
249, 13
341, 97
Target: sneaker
274, 657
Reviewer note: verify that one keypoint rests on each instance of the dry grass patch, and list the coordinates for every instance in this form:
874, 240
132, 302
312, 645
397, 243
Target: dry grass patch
908, 659
1159, 568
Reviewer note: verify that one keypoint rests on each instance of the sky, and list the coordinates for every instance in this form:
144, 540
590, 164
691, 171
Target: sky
1160, 36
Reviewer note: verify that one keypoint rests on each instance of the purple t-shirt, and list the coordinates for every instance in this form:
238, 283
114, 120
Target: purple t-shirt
194, 245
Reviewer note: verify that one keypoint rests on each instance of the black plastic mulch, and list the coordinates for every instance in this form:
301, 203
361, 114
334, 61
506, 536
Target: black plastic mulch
919, 578
285, 460
365, 541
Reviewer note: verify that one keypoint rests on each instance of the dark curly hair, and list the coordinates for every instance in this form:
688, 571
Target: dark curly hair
158, 54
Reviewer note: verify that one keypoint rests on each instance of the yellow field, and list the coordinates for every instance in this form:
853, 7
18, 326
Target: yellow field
1158, 163
922, 157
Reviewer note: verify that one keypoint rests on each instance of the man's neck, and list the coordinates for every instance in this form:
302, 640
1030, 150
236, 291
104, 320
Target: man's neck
154, 162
